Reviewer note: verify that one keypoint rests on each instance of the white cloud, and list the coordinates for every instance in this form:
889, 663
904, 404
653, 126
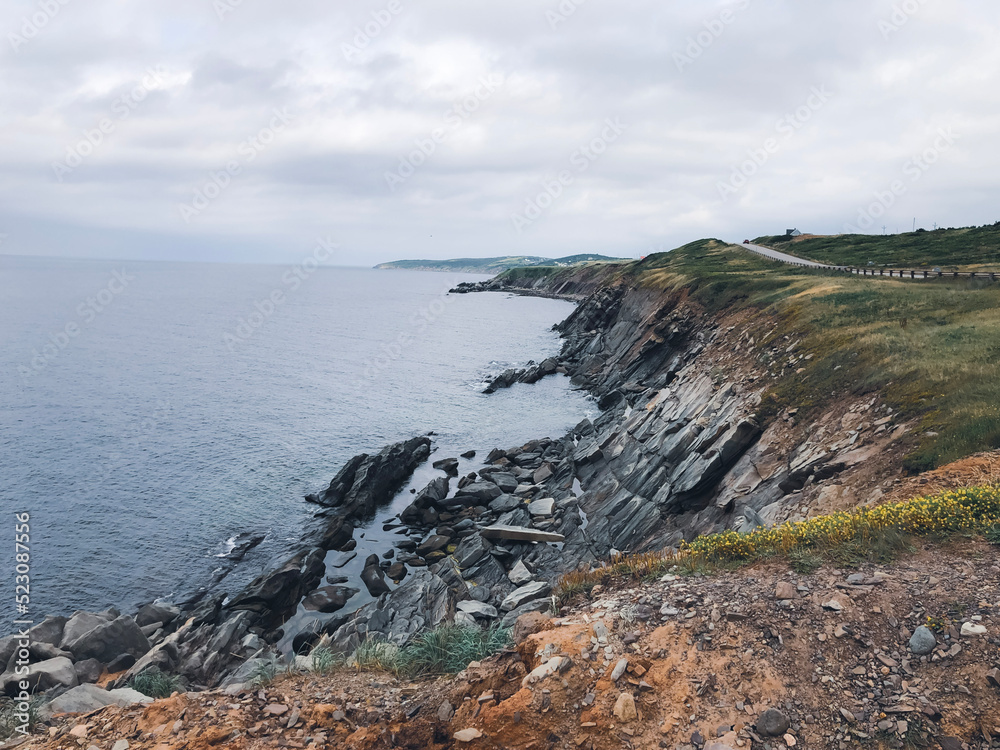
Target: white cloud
355, 119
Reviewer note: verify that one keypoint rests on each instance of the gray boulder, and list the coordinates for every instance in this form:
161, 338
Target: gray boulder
373, 577
328, 599
49, 630
506, 481
543, 507
433, 543
156, 613
519, 574
42, 676
421, 602
109, 640
8, 646
505, 503
472, 549
772, 723
528, 592
478, 609
537, 605
478, 493
922, 642
88, 670
79, 625
447, 465
86, 698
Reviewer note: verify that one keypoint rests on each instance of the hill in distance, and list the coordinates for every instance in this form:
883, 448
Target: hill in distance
495, 265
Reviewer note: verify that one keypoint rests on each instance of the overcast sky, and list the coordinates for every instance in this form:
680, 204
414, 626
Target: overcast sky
245, 130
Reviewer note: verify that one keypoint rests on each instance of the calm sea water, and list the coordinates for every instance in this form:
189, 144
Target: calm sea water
153, 411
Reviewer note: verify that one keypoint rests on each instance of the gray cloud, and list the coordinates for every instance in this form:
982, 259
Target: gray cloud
187, 92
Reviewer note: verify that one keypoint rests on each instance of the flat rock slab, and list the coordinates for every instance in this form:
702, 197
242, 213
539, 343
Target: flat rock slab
520, 534
341, 559
86, 698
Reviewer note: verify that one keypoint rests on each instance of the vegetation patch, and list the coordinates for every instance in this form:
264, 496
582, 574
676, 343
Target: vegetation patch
446, 649
876, 534
930, 348
155, 683
12, 720
968, 248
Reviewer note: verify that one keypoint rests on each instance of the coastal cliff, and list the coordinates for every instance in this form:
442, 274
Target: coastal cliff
725, 405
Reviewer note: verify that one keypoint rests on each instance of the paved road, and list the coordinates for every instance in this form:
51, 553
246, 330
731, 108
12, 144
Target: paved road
896, 273
784, 257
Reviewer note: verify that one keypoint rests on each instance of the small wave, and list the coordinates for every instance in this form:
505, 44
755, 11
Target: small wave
230, 546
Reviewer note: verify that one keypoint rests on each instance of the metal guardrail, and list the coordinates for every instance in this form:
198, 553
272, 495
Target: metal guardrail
916, 274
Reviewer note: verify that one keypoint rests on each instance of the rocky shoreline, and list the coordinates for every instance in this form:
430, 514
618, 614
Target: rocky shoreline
679, 449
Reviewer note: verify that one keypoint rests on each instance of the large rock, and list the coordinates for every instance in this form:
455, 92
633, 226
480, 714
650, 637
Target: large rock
447, 465
366, 482
519, 574
505, 503
328, 598
433, 543
276, 594
153, 613
506, 481
50, 630
421, 602
543, 507
165, 655
8, 645
86, 698
110, 639
373, 578
42, 676
520, 534
478, 493
472, 549
424, 502
922, 642
78, 625
478, 609
88, 670
772, 723
528, 592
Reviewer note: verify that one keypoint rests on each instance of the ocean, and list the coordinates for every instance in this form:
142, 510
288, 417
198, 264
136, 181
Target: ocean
152, 412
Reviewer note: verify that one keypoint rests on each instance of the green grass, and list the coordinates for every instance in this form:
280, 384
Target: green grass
447, 649
969, 248
805, 560
10, 721
993, 535
325, 660
264, 673
930, 348
155, 684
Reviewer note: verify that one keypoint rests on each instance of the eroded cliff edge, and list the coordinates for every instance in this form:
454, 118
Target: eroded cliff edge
690, 440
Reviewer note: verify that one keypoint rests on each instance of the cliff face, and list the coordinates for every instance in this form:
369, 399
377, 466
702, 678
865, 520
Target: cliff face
686, 444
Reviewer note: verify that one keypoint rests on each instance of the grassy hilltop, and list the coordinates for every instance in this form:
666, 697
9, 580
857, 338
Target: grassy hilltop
968, 249
493, 265
931, 347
